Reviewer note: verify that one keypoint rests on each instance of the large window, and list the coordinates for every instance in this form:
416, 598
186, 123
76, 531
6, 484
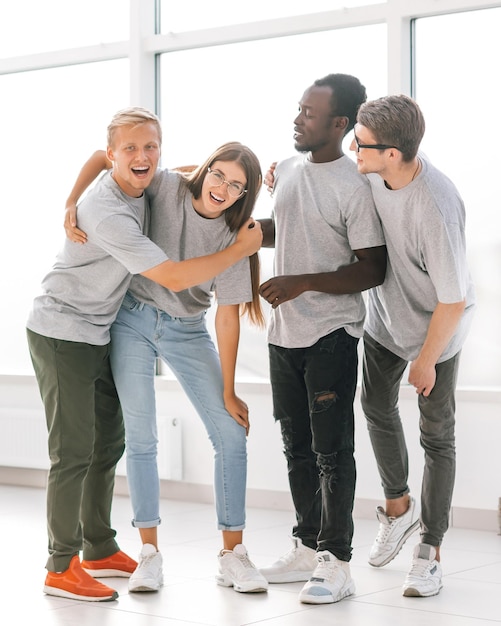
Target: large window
34, 26
249, 92
52, 120
457, 86
226, 70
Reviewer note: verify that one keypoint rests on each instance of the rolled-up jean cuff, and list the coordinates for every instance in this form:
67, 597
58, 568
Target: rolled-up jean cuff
151, 524
230, 528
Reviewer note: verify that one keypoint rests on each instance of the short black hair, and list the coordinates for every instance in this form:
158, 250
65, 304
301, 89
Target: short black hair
348, 94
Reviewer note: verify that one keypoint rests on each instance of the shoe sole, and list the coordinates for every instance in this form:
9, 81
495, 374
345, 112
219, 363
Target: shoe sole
290, 577
252, 588
412, 592
399, 545
241, 589
140, 588
145, 585
329, 599
107, 573
61, 593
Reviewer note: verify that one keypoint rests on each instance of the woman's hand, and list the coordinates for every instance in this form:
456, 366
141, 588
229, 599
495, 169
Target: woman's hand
238, 410
70, 225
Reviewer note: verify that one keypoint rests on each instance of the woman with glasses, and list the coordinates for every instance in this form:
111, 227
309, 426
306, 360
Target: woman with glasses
192, 214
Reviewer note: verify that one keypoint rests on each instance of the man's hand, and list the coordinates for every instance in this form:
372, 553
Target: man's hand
269, 179
279, 289
422, 377
251, 236
70, 225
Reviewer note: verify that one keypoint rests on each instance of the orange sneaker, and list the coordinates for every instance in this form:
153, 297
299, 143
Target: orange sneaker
118, 564
76, 584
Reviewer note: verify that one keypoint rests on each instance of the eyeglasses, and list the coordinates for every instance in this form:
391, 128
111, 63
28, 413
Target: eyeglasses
374, 146
216, 179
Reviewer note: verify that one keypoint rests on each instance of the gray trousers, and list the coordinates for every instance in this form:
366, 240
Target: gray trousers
85, 442
382, 373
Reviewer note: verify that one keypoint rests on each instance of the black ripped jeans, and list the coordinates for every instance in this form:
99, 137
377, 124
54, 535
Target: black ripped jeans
313, 393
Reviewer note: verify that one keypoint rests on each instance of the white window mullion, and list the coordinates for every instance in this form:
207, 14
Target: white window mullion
142, 61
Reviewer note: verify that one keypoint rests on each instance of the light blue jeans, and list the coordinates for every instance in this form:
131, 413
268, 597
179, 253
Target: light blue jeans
140, 334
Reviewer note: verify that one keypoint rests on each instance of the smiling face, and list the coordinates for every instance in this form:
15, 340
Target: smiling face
314, 125
135, 154
215, 199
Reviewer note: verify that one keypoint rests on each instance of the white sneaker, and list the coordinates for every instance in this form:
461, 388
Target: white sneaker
295, 566
331, 581
425, 577
148, 575
237, 570
393, 533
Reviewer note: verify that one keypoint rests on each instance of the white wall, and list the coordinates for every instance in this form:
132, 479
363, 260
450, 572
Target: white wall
478, 481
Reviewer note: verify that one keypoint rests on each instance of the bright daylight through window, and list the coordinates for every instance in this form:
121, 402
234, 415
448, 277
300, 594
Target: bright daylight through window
61, 84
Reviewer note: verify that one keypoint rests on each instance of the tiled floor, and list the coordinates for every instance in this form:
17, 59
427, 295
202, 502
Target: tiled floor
471, 562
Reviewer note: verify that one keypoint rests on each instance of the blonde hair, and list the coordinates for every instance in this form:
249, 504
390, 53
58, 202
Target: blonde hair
132, 116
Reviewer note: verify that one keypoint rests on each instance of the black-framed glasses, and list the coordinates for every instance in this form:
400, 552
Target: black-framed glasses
216, 179
373, 146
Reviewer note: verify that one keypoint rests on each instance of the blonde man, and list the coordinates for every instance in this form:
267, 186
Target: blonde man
68, 335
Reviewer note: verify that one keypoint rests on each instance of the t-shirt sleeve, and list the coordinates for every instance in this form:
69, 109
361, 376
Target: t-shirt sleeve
444, 258
233, 286
363, 224
121, 237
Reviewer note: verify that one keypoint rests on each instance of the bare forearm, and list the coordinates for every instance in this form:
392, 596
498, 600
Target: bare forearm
89, 172
367, 272
441, 329
227, 326
180, 275
268, 226
352, 278
443, 323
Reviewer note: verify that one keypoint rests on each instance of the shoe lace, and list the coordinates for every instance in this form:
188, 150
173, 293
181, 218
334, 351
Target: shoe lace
245, 561
290, 556
384, 530
420, 568
146, 561
326, 569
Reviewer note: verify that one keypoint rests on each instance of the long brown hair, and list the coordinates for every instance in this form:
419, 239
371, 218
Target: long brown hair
239, 212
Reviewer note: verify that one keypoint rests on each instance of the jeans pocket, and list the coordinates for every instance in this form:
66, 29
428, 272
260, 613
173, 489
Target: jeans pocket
192, 321
130, 303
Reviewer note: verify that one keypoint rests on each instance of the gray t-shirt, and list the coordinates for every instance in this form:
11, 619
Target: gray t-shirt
83, 291
179, 230
322, 212
424, 228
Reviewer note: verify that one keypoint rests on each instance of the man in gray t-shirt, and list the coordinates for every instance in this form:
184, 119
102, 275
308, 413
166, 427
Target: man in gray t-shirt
329, 247
419, 315
69, 335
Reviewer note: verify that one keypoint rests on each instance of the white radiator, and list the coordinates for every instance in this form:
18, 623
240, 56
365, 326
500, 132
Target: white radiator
23, 438
23, 442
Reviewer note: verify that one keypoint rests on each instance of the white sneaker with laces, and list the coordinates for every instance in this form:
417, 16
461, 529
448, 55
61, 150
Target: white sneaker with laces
393, 533
331, 581
148, 575
237, 570
425, 576
295, 566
